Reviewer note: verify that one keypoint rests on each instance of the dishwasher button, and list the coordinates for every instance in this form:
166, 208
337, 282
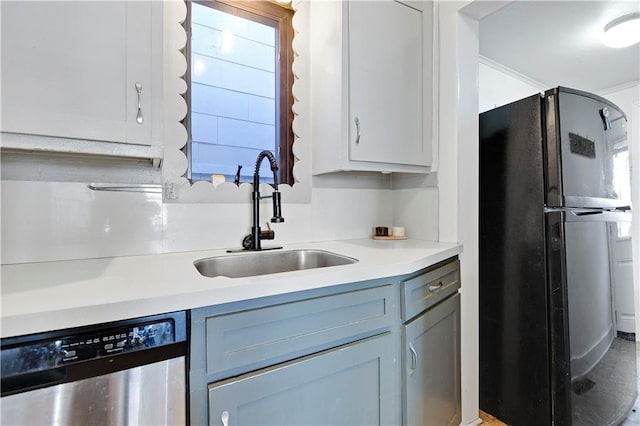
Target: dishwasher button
121, 344
108, 346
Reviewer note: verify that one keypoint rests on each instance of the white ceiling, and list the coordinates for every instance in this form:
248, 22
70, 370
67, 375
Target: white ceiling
557, 43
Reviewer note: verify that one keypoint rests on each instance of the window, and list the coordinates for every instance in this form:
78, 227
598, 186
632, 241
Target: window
240, 81
622, 182
622, 171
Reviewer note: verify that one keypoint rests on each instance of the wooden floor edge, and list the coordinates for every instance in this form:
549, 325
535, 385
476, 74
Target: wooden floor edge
489, 420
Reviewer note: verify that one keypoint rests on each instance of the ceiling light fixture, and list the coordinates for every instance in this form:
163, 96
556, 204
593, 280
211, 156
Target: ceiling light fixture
623, 31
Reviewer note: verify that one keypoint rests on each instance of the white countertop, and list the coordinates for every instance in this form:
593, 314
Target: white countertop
47, 296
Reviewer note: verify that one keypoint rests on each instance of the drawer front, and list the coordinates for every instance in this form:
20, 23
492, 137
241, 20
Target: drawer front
245, 341
429, 288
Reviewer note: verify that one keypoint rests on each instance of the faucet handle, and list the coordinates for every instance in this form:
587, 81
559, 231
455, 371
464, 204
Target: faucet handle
268, 234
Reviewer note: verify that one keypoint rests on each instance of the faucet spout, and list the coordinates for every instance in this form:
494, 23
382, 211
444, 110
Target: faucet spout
256, 234
272, 163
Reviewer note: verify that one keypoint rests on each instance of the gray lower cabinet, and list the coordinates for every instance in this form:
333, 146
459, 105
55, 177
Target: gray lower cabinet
349, 385
430, 314
432, 366
321, 358
380, 352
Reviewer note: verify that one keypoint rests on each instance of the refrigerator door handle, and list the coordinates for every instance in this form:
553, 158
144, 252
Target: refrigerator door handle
585, 213
606, 121
597, 216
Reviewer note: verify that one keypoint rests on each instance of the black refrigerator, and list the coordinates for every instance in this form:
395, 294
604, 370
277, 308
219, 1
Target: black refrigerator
555, 216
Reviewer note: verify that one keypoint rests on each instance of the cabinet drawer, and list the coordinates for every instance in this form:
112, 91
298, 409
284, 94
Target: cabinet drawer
429, 288
245, 341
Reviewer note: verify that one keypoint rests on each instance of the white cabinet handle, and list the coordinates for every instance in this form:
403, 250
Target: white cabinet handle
414, 358
139, 117
435, 287
357, 121
225, 418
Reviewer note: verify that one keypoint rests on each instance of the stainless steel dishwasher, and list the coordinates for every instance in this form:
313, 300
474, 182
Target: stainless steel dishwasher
128, 372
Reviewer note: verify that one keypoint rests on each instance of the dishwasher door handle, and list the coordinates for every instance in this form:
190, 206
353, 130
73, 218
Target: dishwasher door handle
15, 384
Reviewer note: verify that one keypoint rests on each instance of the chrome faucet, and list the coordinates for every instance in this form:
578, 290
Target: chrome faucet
252, 241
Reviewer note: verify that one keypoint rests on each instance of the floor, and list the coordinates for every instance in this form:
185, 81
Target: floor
633, 418
489, 420
605, 394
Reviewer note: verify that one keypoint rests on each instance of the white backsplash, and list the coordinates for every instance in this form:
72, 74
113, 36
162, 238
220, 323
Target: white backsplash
48, 221
416, 210
44, 221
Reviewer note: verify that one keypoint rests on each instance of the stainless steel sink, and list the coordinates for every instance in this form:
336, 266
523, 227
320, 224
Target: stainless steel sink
271, 262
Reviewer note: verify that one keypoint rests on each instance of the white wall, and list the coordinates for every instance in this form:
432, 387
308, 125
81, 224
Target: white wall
416, 209
458, 176
499, 85
635, 198
624, 97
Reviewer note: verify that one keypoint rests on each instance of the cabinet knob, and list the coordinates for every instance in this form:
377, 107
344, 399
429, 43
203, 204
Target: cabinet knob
139, 117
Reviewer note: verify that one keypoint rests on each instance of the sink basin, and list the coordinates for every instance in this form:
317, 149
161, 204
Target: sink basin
271, 262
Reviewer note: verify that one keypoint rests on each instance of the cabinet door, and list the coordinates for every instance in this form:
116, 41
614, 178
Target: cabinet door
69, 69
432, 367
386, 82
349, 385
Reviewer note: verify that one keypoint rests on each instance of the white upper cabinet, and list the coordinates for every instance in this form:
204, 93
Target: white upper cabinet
78, 72
372, 82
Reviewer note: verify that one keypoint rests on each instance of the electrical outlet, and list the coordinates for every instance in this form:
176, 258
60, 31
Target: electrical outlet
170, 191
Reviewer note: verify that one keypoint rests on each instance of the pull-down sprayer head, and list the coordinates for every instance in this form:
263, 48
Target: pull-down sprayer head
277, 205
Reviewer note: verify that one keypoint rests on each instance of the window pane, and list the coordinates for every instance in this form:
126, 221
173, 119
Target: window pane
622, 173
233, 94
624, 230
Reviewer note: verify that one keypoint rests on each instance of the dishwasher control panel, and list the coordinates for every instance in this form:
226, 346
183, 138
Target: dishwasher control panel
113, 341
57, 349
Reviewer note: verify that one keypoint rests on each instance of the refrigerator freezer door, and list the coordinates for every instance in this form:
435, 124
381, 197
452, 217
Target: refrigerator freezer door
587, 164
